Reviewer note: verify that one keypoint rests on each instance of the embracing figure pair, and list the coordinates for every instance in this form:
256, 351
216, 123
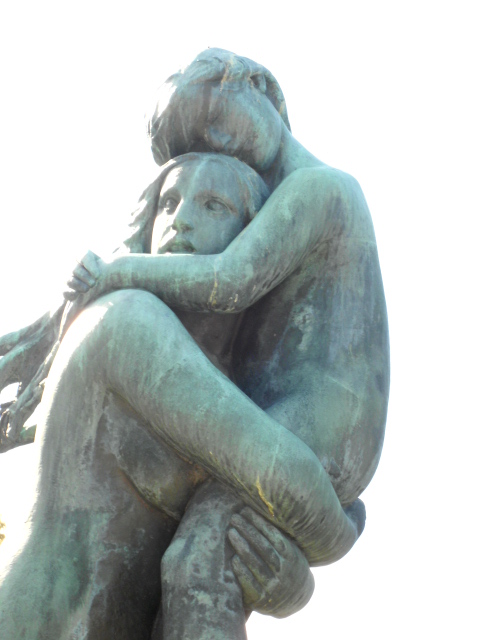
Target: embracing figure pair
218, 405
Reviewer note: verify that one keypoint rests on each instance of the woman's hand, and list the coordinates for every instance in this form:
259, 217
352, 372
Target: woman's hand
272, 571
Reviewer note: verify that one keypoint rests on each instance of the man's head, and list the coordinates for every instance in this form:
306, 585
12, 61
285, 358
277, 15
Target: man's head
220, 102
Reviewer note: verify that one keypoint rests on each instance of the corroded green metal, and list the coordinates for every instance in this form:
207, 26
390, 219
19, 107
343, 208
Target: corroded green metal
218, 402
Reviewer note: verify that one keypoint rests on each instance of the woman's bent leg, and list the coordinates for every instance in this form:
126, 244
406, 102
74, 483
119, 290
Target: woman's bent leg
142, 352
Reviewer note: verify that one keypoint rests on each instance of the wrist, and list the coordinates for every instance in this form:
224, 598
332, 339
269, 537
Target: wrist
114, 276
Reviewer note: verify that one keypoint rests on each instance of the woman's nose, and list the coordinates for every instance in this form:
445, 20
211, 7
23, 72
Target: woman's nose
183, 218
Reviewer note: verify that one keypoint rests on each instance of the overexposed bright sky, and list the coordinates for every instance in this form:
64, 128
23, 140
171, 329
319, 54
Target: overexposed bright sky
386, 91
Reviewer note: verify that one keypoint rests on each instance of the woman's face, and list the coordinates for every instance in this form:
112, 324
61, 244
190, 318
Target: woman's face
200, 210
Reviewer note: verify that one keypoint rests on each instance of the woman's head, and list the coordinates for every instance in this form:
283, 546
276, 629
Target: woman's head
220, 102
198, 204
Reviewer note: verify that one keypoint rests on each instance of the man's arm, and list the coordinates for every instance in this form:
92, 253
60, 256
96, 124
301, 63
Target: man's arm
302, 212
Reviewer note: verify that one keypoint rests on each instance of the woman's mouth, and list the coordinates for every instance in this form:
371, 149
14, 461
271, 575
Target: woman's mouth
178, 245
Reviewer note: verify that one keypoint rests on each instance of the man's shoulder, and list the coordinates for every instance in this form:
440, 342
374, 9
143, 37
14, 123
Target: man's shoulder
320, 177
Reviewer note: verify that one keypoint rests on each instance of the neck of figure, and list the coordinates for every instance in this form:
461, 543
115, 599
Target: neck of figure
291, 156
214, 333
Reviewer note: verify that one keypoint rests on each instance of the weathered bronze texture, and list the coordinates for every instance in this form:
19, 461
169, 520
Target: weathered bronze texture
213, 395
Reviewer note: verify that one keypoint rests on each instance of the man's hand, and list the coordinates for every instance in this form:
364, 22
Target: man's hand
86, 275
87, 283
272, 571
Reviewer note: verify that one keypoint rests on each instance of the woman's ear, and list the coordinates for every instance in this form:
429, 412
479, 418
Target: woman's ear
259, 82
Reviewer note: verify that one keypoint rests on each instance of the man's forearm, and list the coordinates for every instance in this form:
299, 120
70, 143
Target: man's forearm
187, 282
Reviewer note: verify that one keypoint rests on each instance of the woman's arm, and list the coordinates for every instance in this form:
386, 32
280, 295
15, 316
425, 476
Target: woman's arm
303, 211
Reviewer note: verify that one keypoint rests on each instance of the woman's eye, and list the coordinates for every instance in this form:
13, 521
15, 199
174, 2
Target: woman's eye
217, 206
169, 205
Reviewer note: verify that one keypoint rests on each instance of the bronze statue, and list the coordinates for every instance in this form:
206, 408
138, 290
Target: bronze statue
213, 363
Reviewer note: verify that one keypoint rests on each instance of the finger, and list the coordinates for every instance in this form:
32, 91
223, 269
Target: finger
70, 294
252, 590
77, 285
91, 263
260, 543
257, 565
85, 276
276, 538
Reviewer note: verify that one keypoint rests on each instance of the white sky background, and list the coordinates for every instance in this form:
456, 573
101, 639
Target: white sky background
386, 91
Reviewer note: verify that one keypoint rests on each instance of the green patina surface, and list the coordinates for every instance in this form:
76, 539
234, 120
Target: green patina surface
214, 394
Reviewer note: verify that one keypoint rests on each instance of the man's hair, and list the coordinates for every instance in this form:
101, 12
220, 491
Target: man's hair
253, 189
165, 126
